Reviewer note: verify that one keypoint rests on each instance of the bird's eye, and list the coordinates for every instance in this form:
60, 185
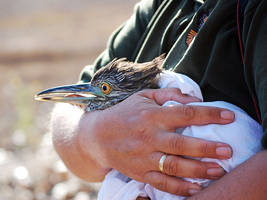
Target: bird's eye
105, 88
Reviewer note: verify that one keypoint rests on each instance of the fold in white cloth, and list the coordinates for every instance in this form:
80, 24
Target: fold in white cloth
244, 136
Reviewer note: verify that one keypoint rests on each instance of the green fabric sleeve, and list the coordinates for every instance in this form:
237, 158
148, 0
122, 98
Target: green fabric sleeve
124, 40
255, 43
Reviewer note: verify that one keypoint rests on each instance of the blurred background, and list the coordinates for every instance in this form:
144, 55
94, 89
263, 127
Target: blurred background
44, 43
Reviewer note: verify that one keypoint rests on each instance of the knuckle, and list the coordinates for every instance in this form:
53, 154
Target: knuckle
146, 137
199, 171
145, 114
161, 184
204, 148
188, 112
171, 167
175, 94
147, 177
148, 115
210, 113
214, 113
177, 143
175, 90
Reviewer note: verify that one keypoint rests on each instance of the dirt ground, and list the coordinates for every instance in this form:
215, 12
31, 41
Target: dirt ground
44, 44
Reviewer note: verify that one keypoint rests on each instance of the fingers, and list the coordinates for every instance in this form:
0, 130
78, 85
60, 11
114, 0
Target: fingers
177, 144
178, 116
178, 166
185, 115
160, 96
186, 167
170, 184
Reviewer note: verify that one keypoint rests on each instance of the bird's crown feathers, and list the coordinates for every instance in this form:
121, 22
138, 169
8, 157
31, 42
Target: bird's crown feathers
126, 75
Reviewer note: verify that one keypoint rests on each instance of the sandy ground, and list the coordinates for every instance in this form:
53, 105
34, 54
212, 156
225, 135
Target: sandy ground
44, 44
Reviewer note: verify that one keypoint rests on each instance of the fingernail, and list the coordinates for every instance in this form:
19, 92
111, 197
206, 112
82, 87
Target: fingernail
215, 172
227, 115
193, 191
224, 151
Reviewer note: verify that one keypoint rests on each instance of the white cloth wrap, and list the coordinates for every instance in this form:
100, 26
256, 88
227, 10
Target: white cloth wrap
243, 135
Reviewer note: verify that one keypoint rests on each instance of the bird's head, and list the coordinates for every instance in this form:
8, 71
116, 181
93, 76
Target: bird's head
110, 85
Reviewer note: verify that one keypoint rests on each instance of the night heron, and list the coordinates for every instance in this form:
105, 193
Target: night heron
110, 85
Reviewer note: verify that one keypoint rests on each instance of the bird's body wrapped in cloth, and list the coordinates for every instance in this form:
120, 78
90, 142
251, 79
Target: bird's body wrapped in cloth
118, 80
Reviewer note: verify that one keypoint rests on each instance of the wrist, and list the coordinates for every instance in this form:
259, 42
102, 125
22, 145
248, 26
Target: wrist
88, 143
67, 127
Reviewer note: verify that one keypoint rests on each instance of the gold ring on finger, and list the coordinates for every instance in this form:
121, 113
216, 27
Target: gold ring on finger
161, 162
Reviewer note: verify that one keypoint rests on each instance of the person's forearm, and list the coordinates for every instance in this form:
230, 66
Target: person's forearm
248, 181
67, 124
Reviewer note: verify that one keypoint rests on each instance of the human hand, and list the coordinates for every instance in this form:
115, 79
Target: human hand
133, 135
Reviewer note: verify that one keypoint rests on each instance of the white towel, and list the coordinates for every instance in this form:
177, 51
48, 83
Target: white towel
243, 135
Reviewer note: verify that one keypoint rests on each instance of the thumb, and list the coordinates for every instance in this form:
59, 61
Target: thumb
160, 96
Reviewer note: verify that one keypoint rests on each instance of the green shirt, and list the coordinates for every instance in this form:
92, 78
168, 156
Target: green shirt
200, 40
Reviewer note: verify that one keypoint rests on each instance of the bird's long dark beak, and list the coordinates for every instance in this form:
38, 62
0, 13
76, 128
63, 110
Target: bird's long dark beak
80, 94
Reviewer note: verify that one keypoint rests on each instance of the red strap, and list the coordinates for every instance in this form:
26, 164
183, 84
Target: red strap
242, 55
